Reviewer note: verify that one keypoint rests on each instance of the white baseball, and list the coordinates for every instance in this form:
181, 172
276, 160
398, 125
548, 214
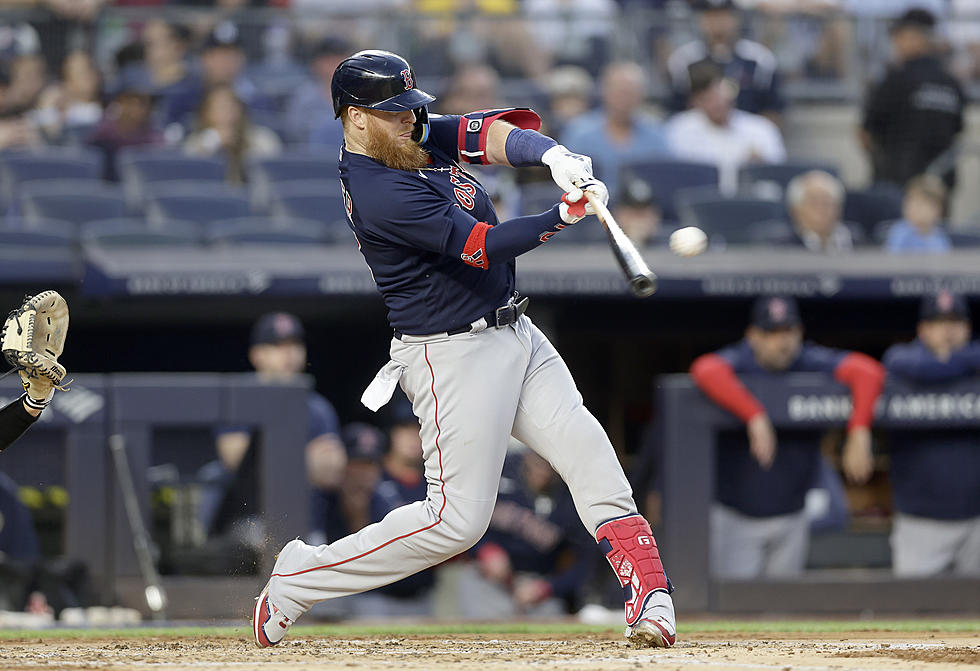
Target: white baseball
688, 241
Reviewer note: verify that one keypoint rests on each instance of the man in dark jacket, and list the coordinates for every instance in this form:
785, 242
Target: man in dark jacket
915, 113
935, 475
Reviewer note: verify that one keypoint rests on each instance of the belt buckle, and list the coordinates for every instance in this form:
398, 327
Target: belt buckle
504, 315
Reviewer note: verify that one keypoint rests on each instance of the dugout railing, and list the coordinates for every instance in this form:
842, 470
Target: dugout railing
688, 426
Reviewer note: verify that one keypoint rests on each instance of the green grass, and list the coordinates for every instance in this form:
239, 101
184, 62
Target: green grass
531, 628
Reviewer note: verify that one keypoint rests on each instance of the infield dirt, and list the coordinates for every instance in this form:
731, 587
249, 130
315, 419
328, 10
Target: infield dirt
607, 651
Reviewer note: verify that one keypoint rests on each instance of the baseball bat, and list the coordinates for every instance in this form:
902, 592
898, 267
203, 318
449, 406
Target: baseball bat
641, 279
156, 598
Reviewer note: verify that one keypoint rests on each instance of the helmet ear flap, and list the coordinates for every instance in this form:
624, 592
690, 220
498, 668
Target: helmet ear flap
421, 132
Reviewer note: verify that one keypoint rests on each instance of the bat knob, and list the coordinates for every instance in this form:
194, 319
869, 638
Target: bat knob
643, 285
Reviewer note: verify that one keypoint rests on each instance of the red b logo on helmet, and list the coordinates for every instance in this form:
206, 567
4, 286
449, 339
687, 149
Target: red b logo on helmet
409, 82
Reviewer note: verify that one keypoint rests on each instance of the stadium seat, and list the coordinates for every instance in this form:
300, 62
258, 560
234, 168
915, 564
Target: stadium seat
769, 180
774, 231
727, 219
136, 232
317, 200
139, 168
189, 201
76, 201
868, 207
17, 168
962, 239
264, 230
666, 177
33, 237
265, 175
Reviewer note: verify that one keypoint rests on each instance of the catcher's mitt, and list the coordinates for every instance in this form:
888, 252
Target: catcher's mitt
32, 340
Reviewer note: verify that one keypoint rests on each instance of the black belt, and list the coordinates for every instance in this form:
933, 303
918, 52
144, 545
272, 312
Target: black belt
505, 315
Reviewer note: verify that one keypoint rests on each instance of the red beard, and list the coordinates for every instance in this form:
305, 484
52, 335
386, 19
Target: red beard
393, 152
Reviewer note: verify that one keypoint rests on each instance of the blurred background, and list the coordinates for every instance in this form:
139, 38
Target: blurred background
170, 168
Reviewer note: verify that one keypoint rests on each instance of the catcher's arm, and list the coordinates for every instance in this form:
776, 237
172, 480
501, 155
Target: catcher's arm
15, 419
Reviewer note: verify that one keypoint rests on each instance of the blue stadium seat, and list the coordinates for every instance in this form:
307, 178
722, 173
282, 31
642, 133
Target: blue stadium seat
76, 201
136, 232
21, 167
267, 174
727, 219
139, 168
33, 237
189, 201
770, 179
868, 207
265, 230
318, 200
666, 177
774, 231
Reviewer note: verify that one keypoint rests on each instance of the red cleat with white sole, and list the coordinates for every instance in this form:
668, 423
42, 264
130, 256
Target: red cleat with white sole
269, 625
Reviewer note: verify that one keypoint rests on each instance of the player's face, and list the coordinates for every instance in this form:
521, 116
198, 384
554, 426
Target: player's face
406, 443
389, 139
279, 360
944, 335
719, 27
775, 350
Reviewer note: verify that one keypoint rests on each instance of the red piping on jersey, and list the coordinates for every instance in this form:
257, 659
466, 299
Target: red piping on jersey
411, 533
475, 250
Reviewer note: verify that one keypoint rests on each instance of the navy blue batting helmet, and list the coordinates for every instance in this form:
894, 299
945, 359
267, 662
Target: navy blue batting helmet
380, 80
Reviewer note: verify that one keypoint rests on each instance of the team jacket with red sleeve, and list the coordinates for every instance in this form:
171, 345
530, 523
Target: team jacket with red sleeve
740, 482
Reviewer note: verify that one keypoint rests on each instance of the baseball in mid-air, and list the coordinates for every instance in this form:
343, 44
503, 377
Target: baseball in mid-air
688, 241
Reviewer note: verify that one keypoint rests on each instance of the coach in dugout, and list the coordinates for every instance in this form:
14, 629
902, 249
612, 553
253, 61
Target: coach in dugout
935, 475
758, 524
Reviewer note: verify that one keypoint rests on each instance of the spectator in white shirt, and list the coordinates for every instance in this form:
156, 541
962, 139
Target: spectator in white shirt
713, 131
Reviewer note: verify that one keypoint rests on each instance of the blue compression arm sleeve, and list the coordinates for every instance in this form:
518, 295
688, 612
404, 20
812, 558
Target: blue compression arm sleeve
526, 147
506, 240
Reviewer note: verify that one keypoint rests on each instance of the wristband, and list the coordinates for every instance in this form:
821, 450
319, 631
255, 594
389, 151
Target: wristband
525, 148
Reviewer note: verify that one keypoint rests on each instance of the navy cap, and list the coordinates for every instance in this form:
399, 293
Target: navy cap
771, 313
364, 442
917, 17
277, 327
225, 34
399, 411
636, 193
944, 305
708, 5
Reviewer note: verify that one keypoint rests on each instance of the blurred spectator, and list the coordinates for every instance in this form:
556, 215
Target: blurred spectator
66, 25
228, 506
714, 132
69, 110
28, 77
536, 558
621, 131
638, 214
570, 90
920, 229
573, 32
751, 66
815, 200
912, 117
473, 87
222, 128
126, 122
222, 63
18, 538
935, 475
311, 105
402, 482
341, 511
164, 69
758, 525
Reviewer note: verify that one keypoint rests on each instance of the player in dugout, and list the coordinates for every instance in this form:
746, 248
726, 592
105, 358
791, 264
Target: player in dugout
935, 475
758, 525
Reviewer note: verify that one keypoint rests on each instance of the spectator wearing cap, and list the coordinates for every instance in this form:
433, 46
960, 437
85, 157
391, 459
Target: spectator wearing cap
713, 131
126, 122
278, 354
638, 213
535, 559
750, 66
920, 229
935, 474
759, 526
310, 107
913, 116
621, 132
815, 201
222, 63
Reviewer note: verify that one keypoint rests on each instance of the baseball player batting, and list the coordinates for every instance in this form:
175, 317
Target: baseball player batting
473, 365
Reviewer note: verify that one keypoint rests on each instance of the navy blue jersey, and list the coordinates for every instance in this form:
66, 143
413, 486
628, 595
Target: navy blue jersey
934, 473
744, 485
403, 220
